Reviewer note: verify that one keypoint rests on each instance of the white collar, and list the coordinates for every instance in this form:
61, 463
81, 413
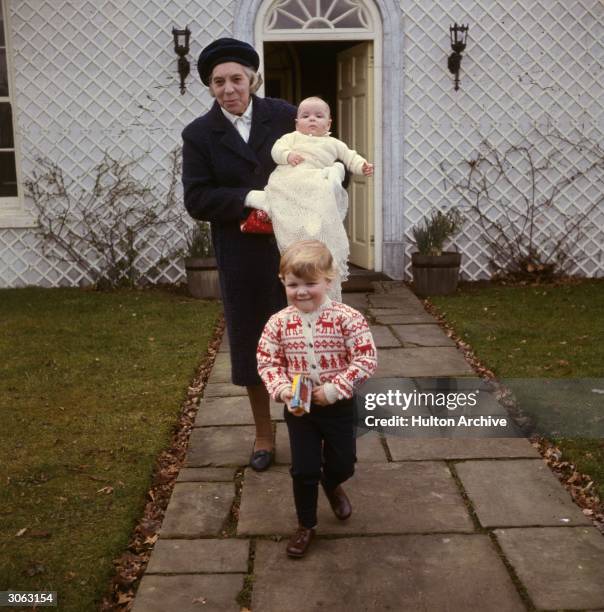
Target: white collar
313, 136
246, 116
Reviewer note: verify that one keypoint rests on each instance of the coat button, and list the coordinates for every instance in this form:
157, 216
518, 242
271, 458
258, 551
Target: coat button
313, 366
310, 344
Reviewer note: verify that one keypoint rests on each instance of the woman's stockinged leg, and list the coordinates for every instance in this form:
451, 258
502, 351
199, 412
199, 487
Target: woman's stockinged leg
260, 404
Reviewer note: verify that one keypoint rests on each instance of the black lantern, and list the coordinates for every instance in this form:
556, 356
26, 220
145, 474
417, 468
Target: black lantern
459, 35
181, 48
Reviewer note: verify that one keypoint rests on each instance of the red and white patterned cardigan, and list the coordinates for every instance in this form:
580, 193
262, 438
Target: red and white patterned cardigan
332, 345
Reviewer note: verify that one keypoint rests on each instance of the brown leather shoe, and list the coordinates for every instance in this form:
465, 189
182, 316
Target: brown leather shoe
299, 542
339, 502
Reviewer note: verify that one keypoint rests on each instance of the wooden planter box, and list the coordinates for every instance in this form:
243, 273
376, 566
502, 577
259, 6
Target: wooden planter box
202, 277
435, 274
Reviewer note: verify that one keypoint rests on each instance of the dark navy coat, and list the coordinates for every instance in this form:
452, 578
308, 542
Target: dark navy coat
219, 168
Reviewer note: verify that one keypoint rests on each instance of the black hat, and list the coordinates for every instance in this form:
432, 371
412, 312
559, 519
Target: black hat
226, 50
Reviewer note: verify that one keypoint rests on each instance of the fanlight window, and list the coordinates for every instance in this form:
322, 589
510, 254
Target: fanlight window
322, 15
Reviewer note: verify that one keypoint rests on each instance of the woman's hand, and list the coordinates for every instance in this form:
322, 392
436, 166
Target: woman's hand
293, 159
367, 169
319, 397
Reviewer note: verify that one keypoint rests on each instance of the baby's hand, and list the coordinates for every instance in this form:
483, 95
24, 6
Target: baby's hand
319, 397
367, 169
293, 159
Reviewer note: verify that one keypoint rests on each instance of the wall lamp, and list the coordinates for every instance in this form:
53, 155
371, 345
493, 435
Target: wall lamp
181, 48
459, 36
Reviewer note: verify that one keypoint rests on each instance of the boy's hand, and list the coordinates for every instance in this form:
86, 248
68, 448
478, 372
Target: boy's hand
319, 397
293, 159
367, 169
286, 397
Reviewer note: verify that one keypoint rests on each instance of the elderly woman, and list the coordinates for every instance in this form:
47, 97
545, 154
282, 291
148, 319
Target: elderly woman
227, 154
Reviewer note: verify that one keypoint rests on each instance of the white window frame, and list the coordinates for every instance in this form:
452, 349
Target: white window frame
12, 211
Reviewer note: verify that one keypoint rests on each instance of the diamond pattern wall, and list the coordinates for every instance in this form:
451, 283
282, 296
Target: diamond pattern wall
96, 76
529, 68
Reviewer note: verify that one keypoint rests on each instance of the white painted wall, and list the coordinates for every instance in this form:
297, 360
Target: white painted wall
101, 75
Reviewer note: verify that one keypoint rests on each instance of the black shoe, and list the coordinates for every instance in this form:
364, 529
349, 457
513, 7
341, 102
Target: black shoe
261, 460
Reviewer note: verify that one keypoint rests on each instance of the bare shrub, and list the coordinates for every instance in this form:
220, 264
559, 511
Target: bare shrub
514, 194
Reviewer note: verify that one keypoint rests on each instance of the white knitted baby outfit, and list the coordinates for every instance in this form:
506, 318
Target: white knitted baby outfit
308, 201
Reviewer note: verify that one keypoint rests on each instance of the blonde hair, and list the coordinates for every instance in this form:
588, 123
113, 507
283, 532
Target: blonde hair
307, 259
255, 79
315, 99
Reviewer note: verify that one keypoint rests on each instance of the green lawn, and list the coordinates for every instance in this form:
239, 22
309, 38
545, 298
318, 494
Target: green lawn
547, 332
90, 388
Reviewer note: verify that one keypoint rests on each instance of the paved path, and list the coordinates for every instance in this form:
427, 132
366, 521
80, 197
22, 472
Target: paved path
468, 524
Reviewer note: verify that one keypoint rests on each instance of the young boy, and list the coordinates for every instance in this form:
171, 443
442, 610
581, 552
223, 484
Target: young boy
304, 196
331, 344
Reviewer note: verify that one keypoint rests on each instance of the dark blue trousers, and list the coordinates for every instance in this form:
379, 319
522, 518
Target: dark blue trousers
323, 448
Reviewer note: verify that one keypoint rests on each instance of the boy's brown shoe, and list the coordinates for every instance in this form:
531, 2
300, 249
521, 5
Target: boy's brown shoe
339, 502
299, 542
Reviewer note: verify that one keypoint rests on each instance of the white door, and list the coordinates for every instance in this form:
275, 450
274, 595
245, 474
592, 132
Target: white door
355, 114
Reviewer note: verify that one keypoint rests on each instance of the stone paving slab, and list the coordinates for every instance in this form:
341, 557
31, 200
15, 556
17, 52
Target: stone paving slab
407, 318
282, 450
211, 474
415, 497
199, 557
383, 337
422, 335
234, 410
411, 449
356, 300
395, 300
428, 361
223, 390
561, 567
216, 592
414, 572
220, 446
197, 509
399, 310
521, 493
221, 370
369, 447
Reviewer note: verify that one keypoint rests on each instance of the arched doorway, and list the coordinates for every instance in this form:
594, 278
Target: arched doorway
341, 26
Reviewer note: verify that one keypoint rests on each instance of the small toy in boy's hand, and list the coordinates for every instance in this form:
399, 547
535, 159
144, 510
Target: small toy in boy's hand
302, 390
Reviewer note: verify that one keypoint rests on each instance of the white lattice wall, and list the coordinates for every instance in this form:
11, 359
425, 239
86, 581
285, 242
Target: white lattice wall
528, 67
96, 76
101, 76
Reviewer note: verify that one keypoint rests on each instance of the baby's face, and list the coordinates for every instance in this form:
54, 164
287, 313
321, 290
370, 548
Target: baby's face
313, 118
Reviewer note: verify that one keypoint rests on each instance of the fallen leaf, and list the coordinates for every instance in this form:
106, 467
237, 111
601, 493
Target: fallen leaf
21, 532
107, 490
201, 600
124, 598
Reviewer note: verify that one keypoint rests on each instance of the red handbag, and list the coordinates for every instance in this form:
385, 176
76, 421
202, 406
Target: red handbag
258, 222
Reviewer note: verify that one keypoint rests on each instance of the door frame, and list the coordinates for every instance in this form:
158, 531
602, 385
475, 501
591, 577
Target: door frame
387, 125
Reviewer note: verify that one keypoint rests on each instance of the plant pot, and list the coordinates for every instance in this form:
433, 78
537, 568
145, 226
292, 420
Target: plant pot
202, 277
435, 274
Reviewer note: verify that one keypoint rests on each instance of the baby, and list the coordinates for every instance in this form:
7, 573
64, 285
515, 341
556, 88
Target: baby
304, 196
